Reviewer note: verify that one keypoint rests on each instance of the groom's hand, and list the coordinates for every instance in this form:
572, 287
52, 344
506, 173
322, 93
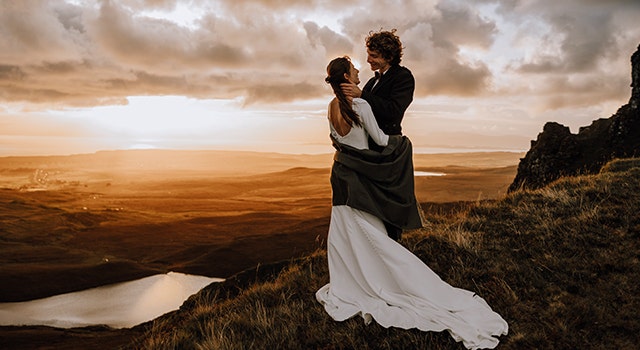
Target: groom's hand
351, 90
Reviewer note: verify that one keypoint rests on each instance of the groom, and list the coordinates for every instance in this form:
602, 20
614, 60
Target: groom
389, 92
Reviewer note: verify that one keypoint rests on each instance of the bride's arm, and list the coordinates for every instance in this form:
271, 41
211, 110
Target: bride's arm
370, 124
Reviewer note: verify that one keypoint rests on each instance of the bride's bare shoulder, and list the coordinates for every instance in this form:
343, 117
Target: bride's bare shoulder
334, 108
341, 126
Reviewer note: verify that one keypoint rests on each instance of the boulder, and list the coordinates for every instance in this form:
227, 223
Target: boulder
557, 152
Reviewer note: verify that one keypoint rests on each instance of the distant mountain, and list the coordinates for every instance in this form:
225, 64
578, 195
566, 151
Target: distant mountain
214, 162
557, 152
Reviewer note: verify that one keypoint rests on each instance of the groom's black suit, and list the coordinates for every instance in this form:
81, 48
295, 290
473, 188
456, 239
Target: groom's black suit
389, 99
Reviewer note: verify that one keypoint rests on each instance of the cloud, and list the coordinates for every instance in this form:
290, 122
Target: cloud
580, 91
140, 5
84, 53
433, 47
11, 73
457, 26
93, 55
283, 93
581, 55
578, 44
37, 31
453, 78
334, 43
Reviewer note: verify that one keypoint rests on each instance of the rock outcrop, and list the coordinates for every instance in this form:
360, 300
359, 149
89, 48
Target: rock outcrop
557, 152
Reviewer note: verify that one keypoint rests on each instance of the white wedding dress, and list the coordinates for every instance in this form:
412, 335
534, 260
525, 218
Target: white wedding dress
375, 277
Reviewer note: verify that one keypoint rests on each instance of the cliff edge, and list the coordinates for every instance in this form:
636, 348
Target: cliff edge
557, 152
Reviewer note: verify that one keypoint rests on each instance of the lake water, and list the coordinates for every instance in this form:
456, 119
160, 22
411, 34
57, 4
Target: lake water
427, 173
120, 305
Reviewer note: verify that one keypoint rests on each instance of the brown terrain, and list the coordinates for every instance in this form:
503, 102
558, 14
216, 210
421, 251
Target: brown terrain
69, 223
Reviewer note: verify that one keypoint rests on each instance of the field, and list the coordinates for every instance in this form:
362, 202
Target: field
560, 264
75, 222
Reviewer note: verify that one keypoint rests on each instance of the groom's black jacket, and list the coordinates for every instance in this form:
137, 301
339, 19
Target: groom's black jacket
390, 98
380, 183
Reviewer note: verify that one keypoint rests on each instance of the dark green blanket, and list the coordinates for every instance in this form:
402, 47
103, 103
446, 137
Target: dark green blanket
380, 183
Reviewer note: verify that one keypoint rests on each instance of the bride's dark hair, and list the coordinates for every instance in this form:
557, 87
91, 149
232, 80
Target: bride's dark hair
335, 76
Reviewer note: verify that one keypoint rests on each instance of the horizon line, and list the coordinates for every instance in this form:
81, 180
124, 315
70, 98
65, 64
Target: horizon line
417, 150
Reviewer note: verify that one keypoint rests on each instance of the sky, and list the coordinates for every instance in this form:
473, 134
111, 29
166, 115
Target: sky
82, 76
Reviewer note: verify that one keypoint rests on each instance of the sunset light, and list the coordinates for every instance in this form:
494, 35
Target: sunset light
188, 174
80, 76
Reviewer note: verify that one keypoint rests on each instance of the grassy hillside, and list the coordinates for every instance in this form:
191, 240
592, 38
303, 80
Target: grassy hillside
560, 264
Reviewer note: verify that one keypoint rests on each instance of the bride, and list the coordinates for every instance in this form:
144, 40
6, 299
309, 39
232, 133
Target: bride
371, 275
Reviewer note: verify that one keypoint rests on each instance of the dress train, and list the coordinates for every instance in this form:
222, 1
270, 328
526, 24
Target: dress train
375, 277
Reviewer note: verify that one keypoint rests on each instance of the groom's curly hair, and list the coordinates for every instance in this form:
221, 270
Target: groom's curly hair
387, 44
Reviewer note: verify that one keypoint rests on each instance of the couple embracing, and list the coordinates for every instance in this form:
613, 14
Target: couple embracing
373, 200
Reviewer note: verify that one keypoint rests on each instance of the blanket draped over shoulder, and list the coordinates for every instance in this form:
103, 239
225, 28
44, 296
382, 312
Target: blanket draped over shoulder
380, 183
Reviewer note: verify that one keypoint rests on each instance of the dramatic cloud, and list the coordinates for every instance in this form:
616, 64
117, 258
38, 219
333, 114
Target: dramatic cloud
334, 43
83, 53
534, 59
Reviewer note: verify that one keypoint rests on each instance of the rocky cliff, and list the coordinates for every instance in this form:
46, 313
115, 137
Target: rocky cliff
557, 152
